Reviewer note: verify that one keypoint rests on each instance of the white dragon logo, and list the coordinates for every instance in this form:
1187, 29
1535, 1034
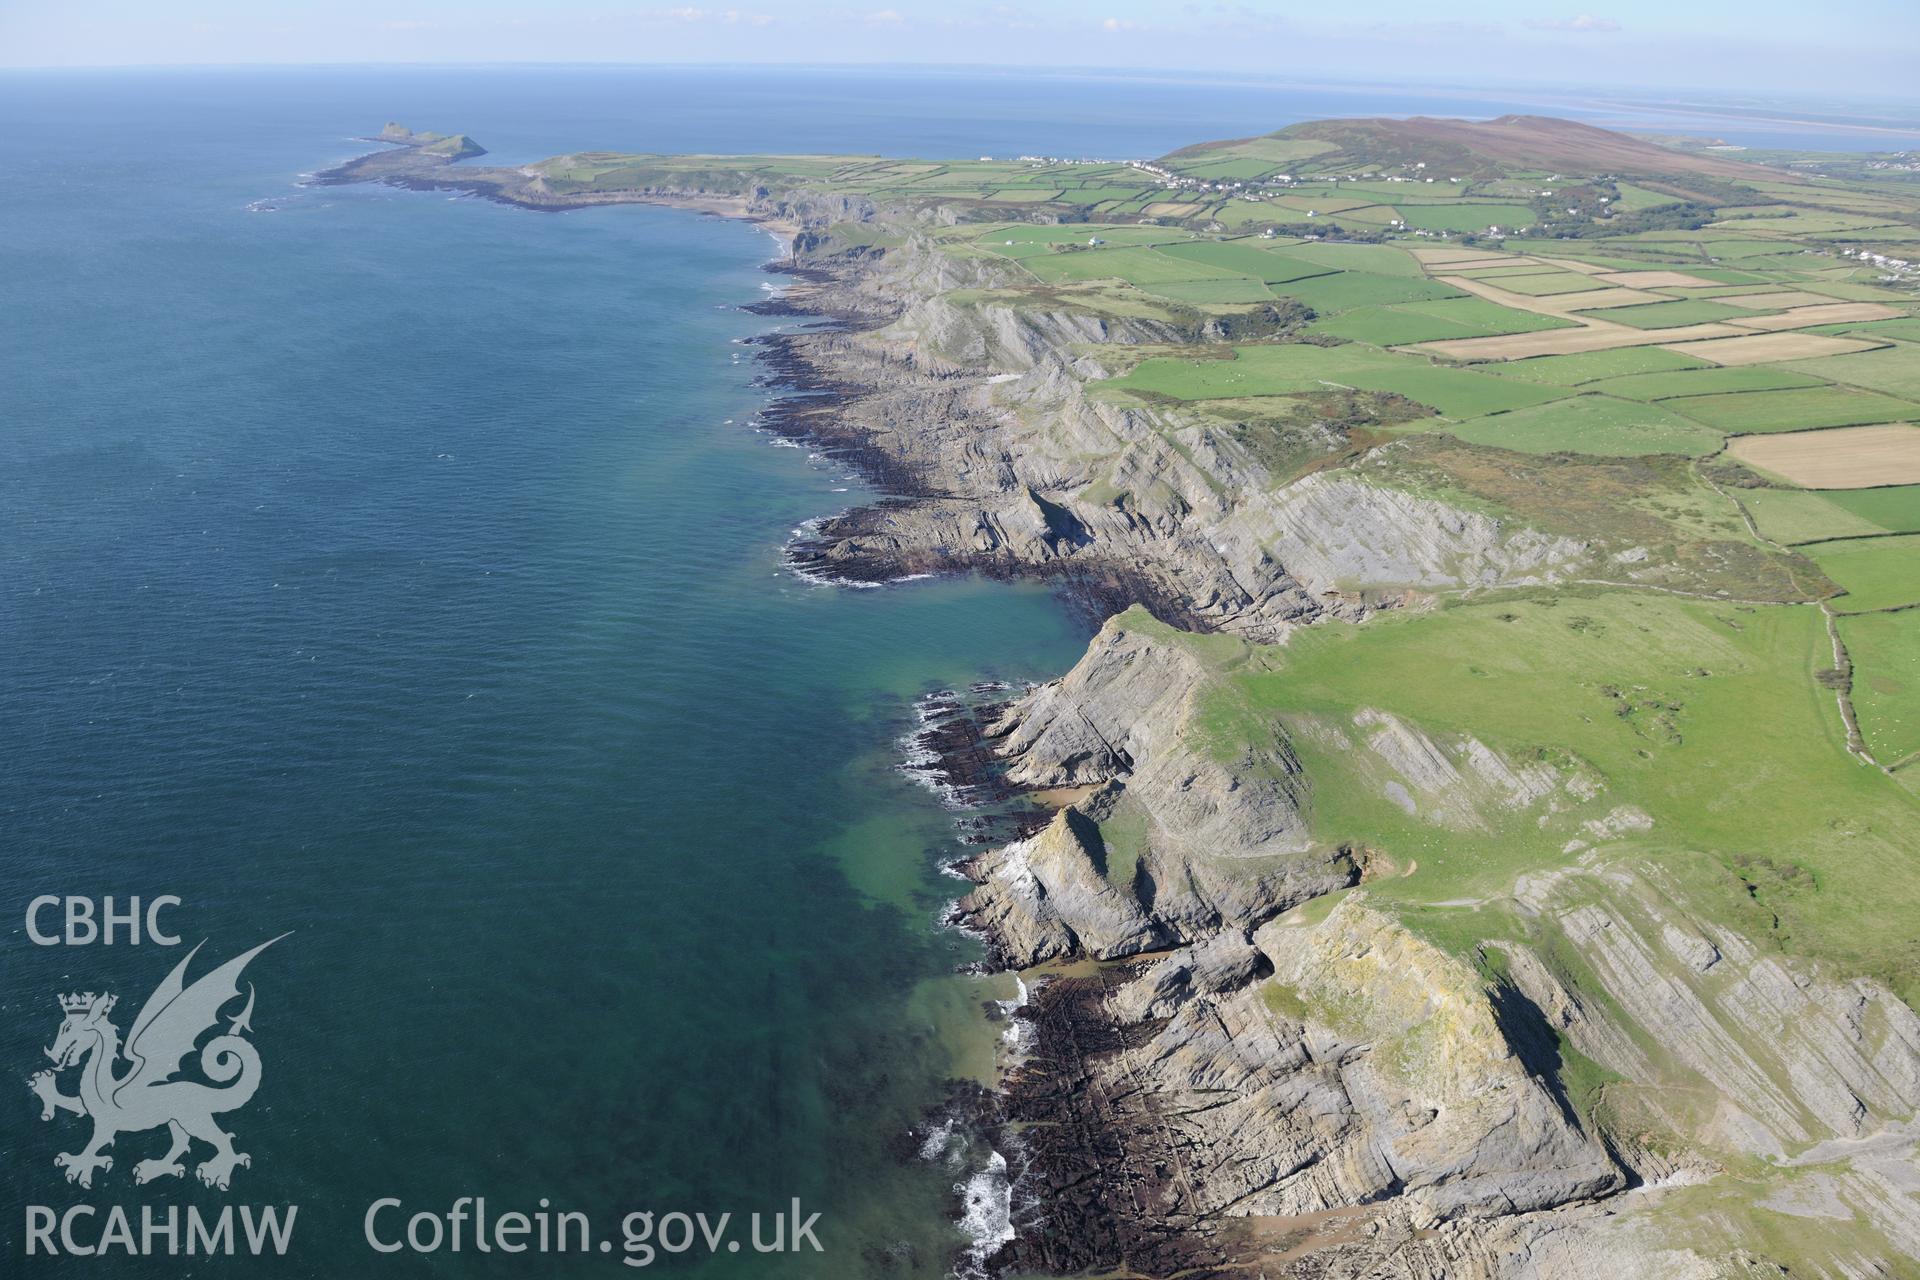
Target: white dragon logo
145, 1096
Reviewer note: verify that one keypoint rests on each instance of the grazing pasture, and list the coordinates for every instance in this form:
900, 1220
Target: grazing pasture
1894, 368
1457, 393
1795, 408
1412, 322
1875, 573
1345, 290
1379, 259
1461, 215
1137, 266
1802, 515
1895, 508
1212, 292
1569, 371
1244, 258
1281, 369
1907, 329
1680, 383
1592, 424
1885, 648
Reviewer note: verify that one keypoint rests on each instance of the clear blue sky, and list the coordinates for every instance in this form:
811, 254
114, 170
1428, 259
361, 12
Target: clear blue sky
1859, 47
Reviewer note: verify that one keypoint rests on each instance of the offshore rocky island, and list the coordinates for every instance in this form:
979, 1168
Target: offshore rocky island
1480, 838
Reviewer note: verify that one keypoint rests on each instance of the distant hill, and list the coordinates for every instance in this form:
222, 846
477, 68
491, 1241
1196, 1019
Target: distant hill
453, 146
1510, 142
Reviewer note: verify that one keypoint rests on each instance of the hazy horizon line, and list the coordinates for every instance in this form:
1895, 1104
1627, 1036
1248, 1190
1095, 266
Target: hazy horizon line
1177, 75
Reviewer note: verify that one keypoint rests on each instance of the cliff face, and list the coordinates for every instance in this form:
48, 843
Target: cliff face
1410, 1108
1271, 1054
1268, 1083
1174, 842
1611, 1076
1020, 467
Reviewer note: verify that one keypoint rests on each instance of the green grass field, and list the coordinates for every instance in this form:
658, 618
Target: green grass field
1379, 259
1022, 241
1280, 369
1885, 648
1798, 515
1546, 284
1291, 369
1668, 315
1796, 410
1592, 424
1345, 290
1876, 573
1591, 366
1700, 382
1633, 199
1409, 322
1138, 266
1893, 369
1211, 292
1907, 329
1895, 508
1457, 393
1244, 257
1706, 717
1461, 215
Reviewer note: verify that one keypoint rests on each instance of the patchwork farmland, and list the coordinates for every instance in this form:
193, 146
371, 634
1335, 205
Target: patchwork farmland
1495, 304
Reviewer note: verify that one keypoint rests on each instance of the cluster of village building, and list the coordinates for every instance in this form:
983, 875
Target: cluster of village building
1897, 268
1250, 189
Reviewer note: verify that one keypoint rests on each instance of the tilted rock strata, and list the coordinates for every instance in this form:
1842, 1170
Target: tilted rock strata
1225, 842
1390, 1109
1255, 1061
985, 403
978, 408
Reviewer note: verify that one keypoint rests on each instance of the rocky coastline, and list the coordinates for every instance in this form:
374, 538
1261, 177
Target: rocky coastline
1237, 1062
1097, 1179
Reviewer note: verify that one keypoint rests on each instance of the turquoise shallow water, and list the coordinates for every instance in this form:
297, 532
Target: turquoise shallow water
400, 572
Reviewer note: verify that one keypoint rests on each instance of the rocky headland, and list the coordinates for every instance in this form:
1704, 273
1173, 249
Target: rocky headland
1256, 1052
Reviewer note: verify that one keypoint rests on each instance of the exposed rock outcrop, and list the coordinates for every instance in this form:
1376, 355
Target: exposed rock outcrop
1331, 1074
967, 391
1247, 1062
1175, 842
981, 399
1242, 1076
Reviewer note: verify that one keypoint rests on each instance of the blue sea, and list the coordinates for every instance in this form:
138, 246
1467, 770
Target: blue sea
404, 574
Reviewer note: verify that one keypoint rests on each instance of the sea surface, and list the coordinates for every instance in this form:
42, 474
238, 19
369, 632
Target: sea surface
404, 573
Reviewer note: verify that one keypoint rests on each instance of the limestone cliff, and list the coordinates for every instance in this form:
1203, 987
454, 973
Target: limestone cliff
1018, 466
1174, 841
1610, 1078
1256, 1053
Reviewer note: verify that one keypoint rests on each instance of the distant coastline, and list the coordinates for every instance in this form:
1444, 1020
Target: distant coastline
1260, 1030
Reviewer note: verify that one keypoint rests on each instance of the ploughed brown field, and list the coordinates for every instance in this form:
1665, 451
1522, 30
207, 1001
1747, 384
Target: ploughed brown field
1603, 337
1825, 313
1760, 348
1653, 279
1839, 458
